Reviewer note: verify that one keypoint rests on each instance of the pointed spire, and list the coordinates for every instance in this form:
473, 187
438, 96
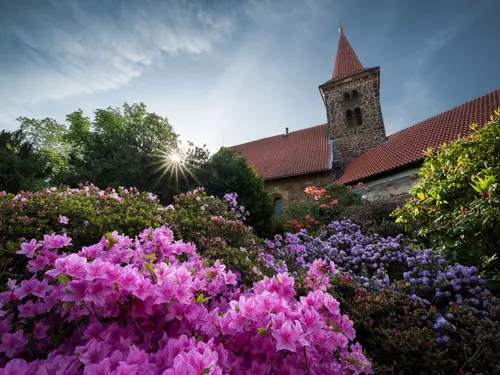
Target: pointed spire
346, 61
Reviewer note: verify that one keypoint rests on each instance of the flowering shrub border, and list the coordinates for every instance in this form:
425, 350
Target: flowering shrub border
152, 305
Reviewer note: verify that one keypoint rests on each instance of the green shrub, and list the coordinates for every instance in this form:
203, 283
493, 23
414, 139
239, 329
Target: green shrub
217, 231
375, 216
89, 212
456, 204
323, 206
400, 334
227, 172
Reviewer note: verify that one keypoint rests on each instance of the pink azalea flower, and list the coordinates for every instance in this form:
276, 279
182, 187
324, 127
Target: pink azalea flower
63, 219
287, 336
13, 343
29, 248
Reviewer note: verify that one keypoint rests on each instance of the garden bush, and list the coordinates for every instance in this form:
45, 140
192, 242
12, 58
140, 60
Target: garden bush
322, 207
216, 226
378, 262
404, 336
228, 172
456, 204
411, 308
84, 214
375, 216
152, 305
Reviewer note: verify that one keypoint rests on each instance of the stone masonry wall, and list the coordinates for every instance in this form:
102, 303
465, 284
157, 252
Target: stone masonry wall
291, 189
350, 141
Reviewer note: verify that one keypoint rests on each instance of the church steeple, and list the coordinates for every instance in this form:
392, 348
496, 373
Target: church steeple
346, 61
352, 102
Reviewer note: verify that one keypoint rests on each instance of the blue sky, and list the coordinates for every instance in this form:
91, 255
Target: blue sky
228, 72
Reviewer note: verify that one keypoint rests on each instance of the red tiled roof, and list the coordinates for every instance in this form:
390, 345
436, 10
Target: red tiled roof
300, 152
407, 146
346, 61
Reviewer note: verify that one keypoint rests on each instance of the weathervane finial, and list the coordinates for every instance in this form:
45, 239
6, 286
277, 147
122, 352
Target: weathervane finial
341, 27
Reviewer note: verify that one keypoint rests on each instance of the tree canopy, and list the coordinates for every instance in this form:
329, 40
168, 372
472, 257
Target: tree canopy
227, 172
126, 146
22, 167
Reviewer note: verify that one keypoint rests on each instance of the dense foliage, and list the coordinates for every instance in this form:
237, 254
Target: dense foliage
151, 305
322, 206
227, 172
421, 307
404, 336
22, 167
216, 226
456, 204
374, 216
84, 214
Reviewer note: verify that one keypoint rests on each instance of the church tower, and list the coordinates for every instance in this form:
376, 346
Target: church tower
352, 101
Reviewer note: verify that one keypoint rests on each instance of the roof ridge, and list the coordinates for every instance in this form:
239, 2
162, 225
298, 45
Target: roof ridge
278, 135
442, 113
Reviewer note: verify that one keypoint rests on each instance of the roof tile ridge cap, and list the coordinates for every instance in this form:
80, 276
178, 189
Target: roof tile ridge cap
447, 111
277, 135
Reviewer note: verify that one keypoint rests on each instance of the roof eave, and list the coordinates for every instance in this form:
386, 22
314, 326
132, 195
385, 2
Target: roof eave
382, 173
296, 174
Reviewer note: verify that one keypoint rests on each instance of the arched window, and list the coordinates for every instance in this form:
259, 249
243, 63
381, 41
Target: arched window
357, 114
349, 117
279, 206
347, 96
354, 94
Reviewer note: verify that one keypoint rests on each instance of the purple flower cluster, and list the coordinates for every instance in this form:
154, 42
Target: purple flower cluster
231, 198
380, 262
152, 306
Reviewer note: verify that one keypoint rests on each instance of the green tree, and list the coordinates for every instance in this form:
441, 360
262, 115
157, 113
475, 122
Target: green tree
456, 204
126, 146
49, 138
22, 167
228, 172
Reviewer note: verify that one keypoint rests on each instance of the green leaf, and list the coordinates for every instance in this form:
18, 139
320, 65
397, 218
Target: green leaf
262, 331
151, 270
63, 278
205, 371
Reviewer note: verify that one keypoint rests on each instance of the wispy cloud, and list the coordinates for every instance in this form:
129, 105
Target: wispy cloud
67, 47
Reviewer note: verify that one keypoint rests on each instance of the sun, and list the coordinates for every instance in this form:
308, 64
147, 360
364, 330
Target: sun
172, 162
175, 157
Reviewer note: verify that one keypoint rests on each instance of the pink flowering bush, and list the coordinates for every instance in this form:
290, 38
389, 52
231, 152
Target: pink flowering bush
84, 214
217, 228
151, 305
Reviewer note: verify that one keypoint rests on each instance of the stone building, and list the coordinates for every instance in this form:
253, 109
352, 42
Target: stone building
352, 146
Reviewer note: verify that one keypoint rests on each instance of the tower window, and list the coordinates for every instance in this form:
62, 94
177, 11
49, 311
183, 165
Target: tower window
357, 114
279, 206
354, 94
349, 117
347, 96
